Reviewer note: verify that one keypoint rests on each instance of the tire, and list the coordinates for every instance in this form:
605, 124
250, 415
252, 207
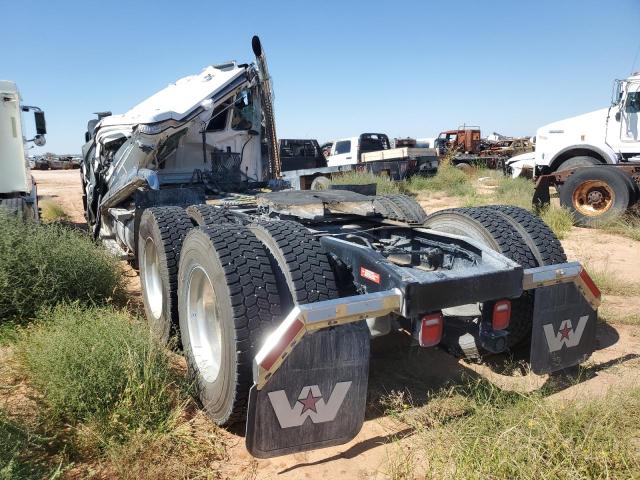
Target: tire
320, 183
580, 161
494, 230
228, 302
543, 243
465, 167
161, 233
596, 195
299, 262
400, 208
208, 215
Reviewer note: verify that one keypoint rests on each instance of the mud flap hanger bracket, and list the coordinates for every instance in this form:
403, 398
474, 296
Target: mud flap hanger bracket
316, 316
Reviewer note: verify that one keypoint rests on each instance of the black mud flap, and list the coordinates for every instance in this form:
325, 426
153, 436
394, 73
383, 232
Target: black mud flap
316, 398
564, 328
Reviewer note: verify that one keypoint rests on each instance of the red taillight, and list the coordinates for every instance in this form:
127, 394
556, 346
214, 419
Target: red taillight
281, 344
431, 329
501, 314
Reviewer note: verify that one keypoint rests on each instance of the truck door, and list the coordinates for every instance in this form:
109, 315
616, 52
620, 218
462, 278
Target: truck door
342, 153
629, 119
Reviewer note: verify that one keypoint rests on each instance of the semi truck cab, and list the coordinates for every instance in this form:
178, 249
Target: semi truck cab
606, 136
17, 187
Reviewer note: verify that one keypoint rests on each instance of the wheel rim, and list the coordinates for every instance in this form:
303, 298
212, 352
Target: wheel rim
205, 335
593, 198
152, 280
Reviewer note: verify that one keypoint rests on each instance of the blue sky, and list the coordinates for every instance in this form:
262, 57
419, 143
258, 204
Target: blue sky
407, 68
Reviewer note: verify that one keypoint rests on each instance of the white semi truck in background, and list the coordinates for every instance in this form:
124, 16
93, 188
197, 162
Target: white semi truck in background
605, 136
608, 139
17, 187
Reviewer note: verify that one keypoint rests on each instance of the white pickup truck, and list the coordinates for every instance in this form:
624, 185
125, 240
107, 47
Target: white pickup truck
375, 147
605, 136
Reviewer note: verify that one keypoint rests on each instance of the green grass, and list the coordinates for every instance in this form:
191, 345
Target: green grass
50, 211
627, 226
478, 431
609, 283
98, 368
559, 219
384, 184
44, 264
448, 179
609, 316
22, 454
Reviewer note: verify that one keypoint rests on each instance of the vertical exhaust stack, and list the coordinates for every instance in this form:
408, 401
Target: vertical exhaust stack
267, 108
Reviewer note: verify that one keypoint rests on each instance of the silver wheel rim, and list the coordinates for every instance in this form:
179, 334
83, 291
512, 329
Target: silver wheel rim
205, 335
152, 280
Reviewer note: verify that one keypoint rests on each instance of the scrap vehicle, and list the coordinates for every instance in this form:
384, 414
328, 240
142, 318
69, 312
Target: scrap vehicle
369, 152
18, 192
50, 161
41, 162
277, 295
297, 154
466, 147
606, 141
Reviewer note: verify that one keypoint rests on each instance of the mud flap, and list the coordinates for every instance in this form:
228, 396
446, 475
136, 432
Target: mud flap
564, 328
316, 398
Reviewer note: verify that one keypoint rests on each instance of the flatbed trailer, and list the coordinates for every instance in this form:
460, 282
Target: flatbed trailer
595, 194
275, 296
395, 168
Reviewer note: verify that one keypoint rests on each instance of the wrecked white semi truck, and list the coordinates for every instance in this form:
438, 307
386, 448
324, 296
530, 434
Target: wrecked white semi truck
276, 295
18, 191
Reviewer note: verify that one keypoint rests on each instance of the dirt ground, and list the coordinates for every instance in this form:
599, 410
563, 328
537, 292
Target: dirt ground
616, 363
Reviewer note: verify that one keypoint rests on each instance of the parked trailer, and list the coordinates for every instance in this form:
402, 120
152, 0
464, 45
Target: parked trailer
594, 195
276, 295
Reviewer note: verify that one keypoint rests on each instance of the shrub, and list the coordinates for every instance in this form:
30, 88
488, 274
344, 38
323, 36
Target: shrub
448, 179
383, 183
21, 453
99, 367
43, 264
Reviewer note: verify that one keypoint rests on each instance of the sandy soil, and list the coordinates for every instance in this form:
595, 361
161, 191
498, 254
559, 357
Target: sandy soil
615, 364
64, 188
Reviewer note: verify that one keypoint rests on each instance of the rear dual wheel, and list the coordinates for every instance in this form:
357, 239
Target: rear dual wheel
513, 232
235, 284
401, 208
161, 233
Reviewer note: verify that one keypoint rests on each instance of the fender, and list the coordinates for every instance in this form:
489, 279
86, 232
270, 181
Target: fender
602, 151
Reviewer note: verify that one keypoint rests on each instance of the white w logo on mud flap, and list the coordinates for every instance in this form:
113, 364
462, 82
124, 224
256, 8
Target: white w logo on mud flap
566, 334
309, 404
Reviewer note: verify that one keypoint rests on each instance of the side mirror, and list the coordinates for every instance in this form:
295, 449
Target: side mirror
87, 136
41, 124
618, 116
39, 140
